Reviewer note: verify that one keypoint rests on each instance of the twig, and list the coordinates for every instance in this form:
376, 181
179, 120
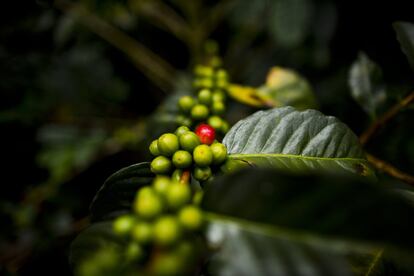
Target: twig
156, 69
390, 169
381, 121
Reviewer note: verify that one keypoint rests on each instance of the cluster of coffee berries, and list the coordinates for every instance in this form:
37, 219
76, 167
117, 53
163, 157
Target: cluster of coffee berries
210, 103
162, 231
184, 150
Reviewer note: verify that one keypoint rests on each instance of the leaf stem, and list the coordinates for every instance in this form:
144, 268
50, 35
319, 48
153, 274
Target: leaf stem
390, 169
156, 69
385, 118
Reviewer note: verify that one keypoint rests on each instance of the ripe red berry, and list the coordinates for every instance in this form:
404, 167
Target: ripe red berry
206, 133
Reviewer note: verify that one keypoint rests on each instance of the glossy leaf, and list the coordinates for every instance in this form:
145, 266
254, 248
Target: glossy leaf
116, 195
367, 87
269, 223
405, 35
296, 141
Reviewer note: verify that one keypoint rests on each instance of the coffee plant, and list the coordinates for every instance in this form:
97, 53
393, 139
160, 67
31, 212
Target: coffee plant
285, 191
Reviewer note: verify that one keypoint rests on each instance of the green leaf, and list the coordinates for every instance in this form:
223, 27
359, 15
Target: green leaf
289, 22
367, 86
265, 222
405, 35
116, 195
296, 141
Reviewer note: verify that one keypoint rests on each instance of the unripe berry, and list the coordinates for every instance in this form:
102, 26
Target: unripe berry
161, 165
206, 82
206, 133
184, 121
203, 156
181, 130
142, 232
161, 184
225, 127
219, 95
167, 231
168, 264
222, 83
204, 71
148, 206
188, 141
202, 174
178, 195
123, 224
205, 97
186, 103
198, 197
154, 148
134, 252
218, 107
182, 159
215, 121
168, 144
199, 112
219, 151
222, 74
191, 217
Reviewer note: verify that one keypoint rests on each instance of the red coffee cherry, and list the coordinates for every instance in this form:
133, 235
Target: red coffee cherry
206, 133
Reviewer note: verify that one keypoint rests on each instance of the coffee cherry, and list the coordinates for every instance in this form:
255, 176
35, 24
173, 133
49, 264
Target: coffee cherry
188, 141
142, 232
202, 174
182, 159
123, 224
206, 82
222, 83
198, 197
184, 121
168, 264
206, 134
161, 184
219, 96
181, 130
148, 206
218, 107
178, 194
134, 252
167, 231
199, 112
161, 165
185, 103
222, 74
168, 144
205, 97
225, 127
219, 153
190, 217
215, 121
204, 71
203, 156
154, 148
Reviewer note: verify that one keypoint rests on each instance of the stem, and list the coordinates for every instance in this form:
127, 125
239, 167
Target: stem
390, 169
156, 69
387, 116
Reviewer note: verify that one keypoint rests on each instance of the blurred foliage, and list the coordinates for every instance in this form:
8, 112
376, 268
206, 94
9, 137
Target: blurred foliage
81, 100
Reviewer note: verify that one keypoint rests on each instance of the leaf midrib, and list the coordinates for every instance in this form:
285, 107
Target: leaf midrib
272, 231
279, 155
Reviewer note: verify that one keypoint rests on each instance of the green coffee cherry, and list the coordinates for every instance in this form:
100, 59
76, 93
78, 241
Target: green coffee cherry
123, 224
189, 141
148, 206
205, 97
168, 144
154, 148
176, 175
182, 159
190, 217
202, 174
202, 155
167, 231
185, 103
216, 122
219, 153
199, 112
218, 107
219, 96
225, 127
161, 184
198, 197
206, 82
142, 232
181, 130
204, 71
178, 195
134, 252
168, 264
222, 74
184, 121
222, 83
161, 165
